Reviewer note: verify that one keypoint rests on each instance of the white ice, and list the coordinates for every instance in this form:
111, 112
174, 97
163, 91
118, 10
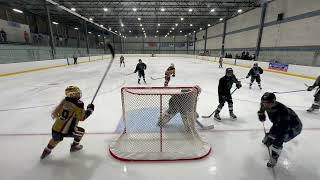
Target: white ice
27, 100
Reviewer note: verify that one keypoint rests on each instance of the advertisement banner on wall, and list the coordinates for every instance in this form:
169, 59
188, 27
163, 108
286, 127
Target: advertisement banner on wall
278, 66
151, 45
166, 45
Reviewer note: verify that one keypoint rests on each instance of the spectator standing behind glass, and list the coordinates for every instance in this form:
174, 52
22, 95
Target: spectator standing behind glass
75, 58
3, 36
26, 36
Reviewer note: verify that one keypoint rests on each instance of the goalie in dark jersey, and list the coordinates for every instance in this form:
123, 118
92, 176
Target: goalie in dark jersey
67, 116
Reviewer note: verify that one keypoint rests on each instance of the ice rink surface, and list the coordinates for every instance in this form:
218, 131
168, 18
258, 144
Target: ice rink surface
28, 99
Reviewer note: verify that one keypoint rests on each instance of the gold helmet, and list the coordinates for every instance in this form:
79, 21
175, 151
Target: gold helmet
73, 92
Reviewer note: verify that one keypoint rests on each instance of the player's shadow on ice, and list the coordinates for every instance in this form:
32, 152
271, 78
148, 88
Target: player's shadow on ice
77, 166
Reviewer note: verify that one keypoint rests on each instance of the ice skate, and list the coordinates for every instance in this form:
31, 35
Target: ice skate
217, 117
45, 153
233, 116
75, 147
272, 162
311, 109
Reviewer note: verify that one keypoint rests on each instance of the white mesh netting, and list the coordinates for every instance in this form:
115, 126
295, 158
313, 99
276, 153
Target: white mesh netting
158, 123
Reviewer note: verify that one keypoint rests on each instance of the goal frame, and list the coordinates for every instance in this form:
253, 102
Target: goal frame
124, 119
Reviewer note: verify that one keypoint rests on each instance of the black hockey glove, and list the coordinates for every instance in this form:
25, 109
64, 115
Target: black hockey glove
173, 75
310, 88
90, 106
268, 139
238, 85
90, 109
262, 117
247, 77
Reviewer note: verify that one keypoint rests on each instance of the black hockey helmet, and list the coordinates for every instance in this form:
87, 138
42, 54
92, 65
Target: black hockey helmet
268, 97
229, 71
140, 60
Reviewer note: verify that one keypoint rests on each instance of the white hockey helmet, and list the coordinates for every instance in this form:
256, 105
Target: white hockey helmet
172, 65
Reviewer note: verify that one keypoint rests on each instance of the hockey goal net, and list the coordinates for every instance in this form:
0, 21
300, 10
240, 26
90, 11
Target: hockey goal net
158, 123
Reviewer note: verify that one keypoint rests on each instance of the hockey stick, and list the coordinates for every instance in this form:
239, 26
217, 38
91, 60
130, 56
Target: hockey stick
129, 74
105, 73
265, 133
209, 116
289, 91
314, 92
157, 78
203, 126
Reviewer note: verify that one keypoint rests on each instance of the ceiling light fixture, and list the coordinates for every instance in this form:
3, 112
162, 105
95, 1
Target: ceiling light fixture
19, 11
